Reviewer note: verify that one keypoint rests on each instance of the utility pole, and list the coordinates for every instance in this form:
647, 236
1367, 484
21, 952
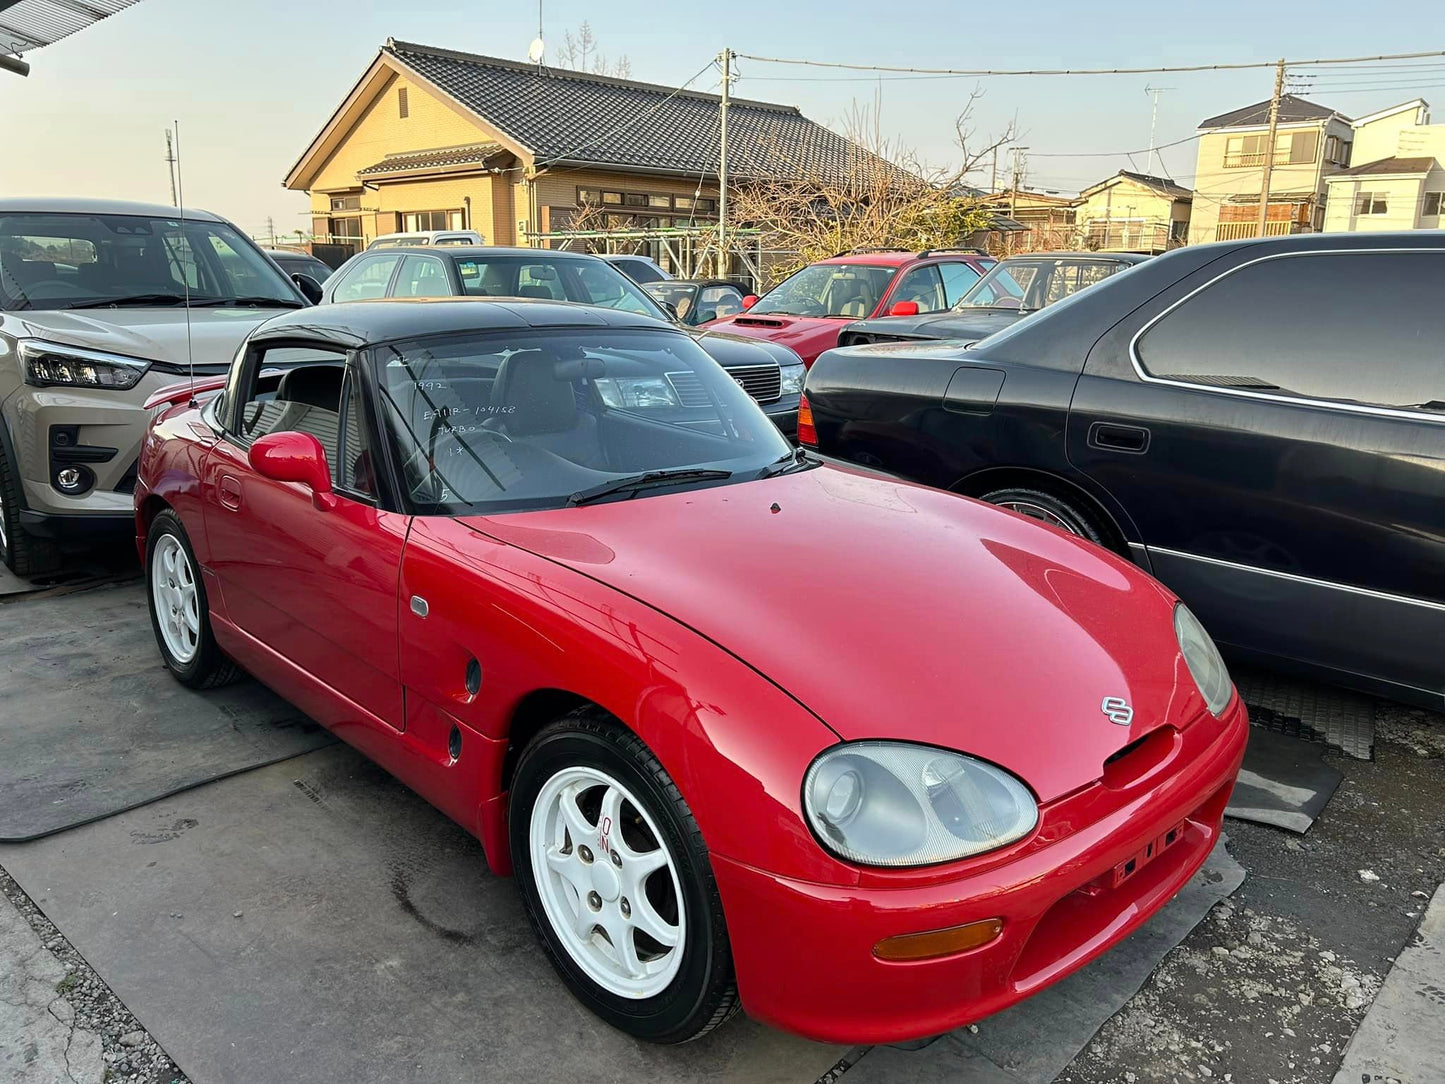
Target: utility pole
722, 165
1013, 197
1153, 123
1269, 146
271, 230
171, 162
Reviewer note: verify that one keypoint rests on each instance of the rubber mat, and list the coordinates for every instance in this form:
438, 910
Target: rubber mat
315, 921
1283, 782
92, 724
1310, 710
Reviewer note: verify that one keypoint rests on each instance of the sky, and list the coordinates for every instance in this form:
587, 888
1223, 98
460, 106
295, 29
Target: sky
251, 81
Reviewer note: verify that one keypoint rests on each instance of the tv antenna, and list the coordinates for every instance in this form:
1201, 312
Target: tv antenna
171, 162
1153, 121
538, 48
184, 256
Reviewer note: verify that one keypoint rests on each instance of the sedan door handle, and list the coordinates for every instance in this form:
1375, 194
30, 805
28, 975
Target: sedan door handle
1119, 438
229, 493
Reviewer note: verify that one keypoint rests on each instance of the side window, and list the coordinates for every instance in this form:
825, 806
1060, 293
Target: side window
294, 389
958, 279
354, 469
1362, 327
367, 280
422, 276
716, 301
923, 285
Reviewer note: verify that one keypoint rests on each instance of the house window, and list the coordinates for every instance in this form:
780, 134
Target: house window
403, 108
1370, 203
1337, 150
346, 203
1290, 148
1433, 202
346, 229
664, 202
416, 221
634, 199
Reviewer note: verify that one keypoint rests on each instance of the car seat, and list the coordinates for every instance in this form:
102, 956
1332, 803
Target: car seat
534, 402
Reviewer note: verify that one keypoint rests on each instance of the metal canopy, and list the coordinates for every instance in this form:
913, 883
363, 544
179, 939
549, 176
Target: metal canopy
30, 24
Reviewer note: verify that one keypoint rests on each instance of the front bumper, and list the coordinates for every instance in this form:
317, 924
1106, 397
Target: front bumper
804, 951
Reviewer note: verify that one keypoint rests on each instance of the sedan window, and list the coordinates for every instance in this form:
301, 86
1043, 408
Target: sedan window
422, 276
565, 278
507, 421
366, 279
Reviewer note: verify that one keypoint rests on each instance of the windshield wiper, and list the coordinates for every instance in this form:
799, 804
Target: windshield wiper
645, 481
136, 299
797, 459
247, 302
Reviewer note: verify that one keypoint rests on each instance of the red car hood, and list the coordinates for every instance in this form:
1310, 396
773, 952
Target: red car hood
894, 611
809, 336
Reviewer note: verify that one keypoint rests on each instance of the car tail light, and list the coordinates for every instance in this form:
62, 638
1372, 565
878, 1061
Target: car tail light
807, 432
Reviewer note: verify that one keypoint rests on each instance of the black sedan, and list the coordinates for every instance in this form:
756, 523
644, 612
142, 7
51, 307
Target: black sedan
770, 372
698, 301
1012, 289
1259, 423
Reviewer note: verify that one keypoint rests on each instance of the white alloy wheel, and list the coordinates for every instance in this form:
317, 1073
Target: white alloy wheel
607, 882
1038, 511
177, 603
4, 539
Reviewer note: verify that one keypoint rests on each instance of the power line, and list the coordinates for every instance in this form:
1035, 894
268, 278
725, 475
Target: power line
976, 72
1117, 154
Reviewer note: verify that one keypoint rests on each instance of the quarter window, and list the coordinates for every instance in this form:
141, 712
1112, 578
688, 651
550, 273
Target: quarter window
1355, 328
367, 280
355, 469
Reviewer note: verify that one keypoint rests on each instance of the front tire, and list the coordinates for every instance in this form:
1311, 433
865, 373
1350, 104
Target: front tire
180, 614
617, 882
22, 553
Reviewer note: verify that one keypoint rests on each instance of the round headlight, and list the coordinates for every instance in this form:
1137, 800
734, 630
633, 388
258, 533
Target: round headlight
896, 804
1202, 658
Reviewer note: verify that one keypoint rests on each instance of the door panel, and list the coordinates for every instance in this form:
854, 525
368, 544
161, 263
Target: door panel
1260, 507
317, 586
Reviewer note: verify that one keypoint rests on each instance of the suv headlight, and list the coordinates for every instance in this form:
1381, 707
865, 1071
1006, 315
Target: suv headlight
881, 803
792, 378
52, 363
621, 393
1202, 658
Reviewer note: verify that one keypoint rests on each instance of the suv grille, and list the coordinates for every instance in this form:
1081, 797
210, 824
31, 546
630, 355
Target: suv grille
763, 382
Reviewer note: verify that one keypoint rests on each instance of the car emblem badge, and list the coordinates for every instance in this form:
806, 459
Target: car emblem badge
739, 382
1117, 710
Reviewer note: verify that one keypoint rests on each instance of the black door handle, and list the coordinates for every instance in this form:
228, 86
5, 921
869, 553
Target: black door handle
1119, 438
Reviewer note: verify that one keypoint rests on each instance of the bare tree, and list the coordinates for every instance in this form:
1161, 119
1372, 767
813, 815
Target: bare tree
882, 196
580, 52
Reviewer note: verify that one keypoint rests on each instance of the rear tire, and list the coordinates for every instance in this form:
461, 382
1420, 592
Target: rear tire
1052, 509
22, 552
180, 614
607, 853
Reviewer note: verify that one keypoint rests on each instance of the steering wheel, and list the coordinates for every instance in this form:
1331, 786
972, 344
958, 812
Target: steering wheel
812, 308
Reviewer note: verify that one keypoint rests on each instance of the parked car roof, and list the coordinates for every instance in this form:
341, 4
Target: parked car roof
361, 322
477, 250
51, 205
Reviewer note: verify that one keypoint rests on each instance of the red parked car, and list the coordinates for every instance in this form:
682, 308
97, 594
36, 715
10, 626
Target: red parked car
807, 309
869, 759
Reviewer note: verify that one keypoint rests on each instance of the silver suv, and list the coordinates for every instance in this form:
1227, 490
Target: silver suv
92, 322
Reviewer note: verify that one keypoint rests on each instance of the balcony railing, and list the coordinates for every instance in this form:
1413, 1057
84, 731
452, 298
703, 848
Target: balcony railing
1239, 231
1127, 236
1240, 161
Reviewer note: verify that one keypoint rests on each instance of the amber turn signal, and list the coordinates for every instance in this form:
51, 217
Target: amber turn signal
935, 943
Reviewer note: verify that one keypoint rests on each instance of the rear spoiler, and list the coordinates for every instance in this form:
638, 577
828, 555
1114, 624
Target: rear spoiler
179, 393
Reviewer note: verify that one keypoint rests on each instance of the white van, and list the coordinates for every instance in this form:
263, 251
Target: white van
428, 237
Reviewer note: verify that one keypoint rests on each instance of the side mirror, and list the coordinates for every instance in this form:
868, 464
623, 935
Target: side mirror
309, 287
904, 308
749, 301
671, 308
295, 457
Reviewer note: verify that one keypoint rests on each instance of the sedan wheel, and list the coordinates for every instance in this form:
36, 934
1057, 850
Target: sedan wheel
607, 883
1048, 508
617, 881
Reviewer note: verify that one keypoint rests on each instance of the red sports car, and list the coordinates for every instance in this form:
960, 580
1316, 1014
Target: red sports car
807, 309
870, 760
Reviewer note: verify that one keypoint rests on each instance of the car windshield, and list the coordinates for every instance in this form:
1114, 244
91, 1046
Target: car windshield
67, 261
1035, 284
828, 289
589, 281
680, 295
515, 420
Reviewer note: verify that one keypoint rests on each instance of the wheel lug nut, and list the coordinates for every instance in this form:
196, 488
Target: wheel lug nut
626, 908
616, 859
594, 901
584, 854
